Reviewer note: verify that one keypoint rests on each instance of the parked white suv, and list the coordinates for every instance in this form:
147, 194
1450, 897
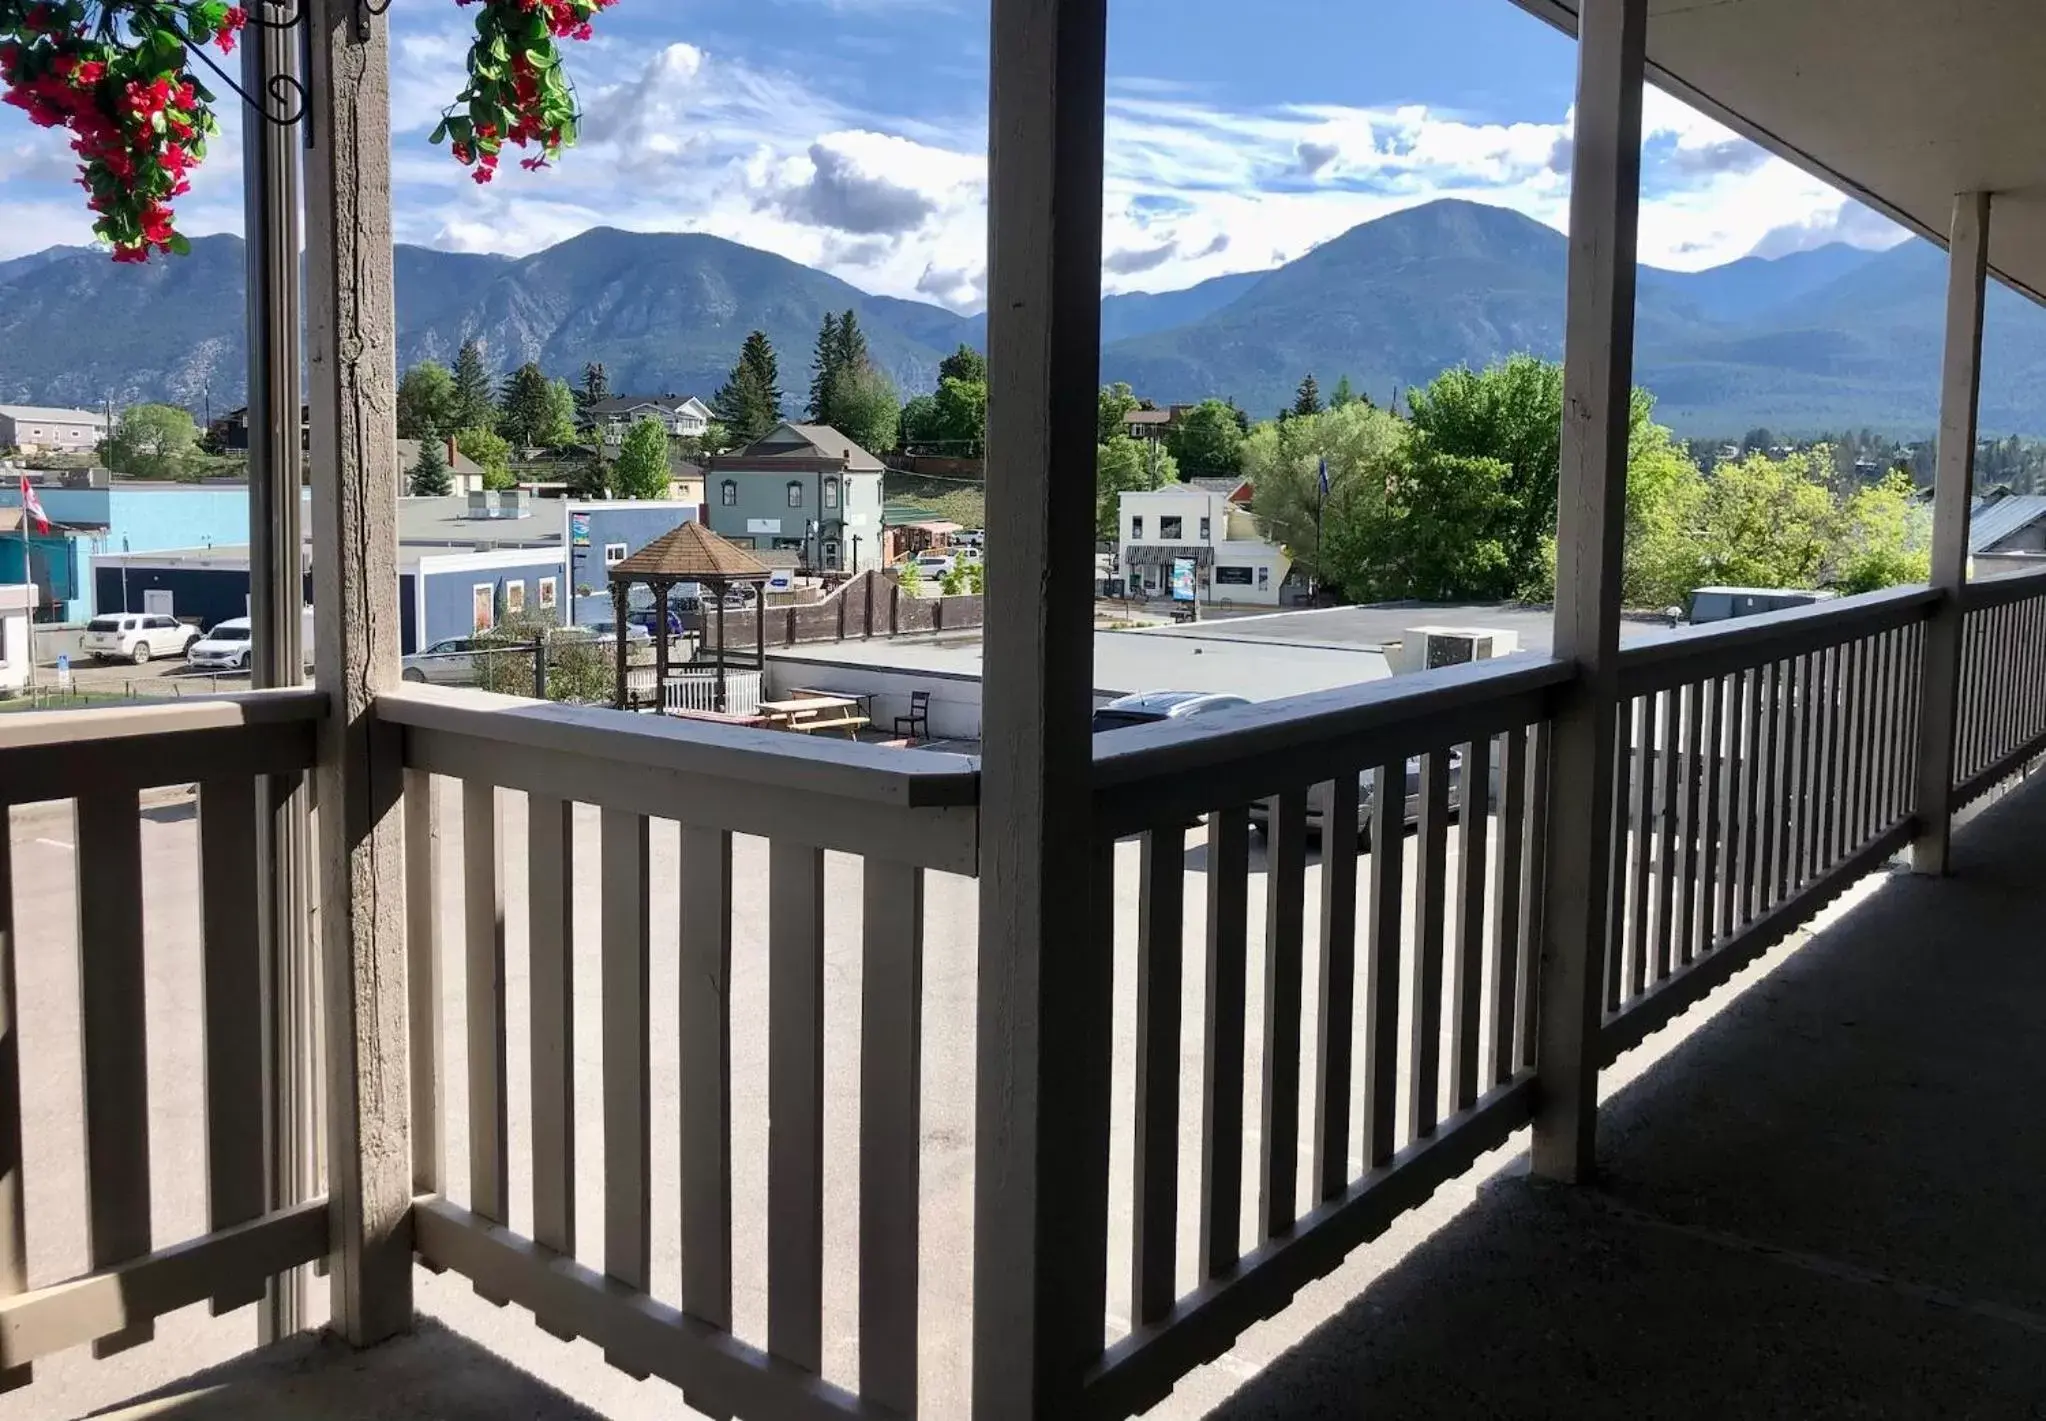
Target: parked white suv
228, 647
136, 637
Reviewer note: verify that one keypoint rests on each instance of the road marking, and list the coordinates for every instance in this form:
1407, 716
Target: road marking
56, 843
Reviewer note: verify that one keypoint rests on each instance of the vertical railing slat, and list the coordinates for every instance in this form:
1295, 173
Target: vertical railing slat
1154, 1220
1507, 901
1534, 885
422, 976
1336, 992
891, 1090
1872, 732
114, 1037
1625, 719
1712, 773
705, 1022
1769, 796
1431, 912
1735, 692
625, 851
795, 1105
1691, 824
1666, 831
550, 903
1285, 925
483, 938
1381, 1005
1228, 963
230, 906
1467, 964
13, 1219
1752, 787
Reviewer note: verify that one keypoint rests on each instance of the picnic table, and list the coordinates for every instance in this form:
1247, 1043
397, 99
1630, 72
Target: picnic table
809, 714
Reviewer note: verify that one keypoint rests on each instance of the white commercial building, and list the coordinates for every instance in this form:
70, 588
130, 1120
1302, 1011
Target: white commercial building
1233, 562
16, 602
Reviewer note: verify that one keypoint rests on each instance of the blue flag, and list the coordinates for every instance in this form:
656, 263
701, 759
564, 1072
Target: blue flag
1324, 476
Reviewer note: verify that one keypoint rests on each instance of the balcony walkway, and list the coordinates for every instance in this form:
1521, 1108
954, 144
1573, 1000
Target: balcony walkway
1823, 1203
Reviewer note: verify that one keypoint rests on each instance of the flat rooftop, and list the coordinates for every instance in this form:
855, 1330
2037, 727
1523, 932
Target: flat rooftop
1260, 657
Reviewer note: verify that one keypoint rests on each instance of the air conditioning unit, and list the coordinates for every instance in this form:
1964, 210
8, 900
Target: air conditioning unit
1426, 648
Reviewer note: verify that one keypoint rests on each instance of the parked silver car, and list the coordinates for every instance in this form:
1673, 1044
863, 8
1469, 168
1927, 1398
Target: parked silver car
450, 661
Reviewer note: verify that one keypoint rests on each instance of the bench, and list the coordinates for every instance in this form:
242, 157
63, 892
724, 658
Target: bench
850, 724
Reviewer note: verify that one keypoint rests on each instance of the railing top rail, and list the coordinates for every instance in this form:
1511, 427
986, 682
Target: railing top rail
871, 773
80, 725
1423, 708
2002, 591
1688, 654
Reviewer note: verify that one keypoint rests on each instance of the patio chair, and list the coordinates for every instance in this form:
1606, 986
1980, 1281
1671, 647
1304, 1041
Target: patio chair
917, 724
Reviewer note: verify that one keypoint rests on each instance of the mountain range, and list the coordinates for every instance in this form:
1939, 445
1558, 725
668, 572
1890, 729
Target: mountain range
1831, 338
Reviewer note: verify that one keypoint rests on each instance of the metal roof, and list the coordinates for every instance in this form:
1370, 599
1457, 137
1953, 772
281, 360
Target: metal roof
2005, 518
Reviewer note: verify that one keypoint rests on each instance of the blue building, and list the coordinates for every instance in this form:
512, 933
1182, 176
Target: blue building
464, 564
91, 515
602, 533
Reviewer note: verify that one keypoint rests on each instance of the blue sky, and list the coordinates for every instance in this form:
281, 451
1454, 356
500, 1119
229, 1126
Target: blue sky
851, 135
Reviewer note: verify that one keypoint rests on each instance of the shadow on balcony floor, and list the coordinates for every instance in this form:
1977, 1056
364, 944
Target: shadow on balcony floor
431, 1375
1826, 1203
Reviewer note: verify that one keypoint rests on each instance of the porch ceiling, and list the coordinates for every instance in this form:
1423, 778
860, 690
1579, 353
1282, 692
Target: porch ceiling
1901, 103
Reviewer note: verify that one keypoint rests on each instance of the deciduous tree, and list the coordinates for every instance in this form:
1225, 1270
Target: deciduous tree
1206, 441
491, 453
426, 402
865, 407
965, 363
152, 439
641, 470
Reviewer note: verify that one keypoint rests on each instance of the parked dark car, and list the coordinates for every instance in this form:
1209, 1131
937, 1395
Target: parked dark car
1150, 707
1367, 796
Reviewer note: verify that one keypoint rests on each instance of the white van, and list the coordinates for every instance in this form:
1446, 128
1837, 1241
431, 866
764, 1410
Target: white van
136, 637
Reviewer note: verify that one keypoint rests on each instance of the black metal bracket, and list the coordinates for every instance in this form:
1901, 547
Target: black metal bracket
365, 11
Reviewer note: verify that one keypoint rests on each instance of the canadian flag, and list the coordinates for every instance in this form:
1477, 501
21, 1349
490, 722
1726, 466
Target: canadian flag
33, 507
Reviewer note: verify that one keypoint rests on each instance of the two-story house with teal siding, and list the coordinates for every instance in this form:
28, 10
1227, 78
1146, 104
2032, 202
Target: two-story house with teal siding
805, 489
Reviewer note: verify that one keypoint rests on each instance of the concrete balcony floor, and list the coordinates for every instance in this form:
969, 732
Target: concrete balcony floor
1822, 1202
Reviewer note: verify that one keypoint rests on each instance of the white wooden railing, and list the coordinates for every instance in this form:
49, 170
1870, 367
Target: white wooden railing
898, 813
1390, 1042
1761, 767
698, 691
100, 760
2001, 725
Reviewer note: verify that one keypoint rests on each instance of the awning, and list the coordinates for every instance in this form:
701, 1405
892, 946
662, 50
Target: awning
1166, 554
10, 522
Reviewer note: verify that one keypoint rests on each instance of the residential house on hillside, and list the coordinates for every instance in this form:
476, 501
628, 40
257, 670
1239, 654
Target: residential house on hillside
1237, 490
683, 416
1232, 560
2007, 533
804, 488
464, 473
1141, 423
44, 429
232, 428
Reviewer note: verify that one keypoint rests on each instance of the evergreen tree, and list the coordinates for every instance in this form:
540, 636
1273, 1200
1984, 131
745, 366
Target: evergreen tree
965, 363
590, 478
430, 477
824, 368
1342, 394
473, 407
1307, 400
749, 402
851, 347
596, 387
526, 408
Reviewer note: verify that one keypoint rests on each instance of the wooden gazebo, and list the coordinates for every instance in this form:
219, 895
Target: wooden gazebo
690, 553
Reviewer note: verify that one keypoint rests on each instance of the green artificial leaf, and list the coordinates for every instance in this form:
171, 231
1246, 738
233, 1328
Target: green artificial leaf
440, 132
179, 246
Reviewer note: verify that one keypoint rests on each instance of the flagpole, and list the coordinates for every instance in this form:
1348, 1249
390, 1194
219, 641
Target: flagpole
28, 576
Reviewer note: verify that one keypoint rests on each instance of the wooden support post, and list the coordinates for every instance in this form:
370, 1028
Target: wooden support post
1041, 1177
1953, 492
621, 600
352, 367
1598, 372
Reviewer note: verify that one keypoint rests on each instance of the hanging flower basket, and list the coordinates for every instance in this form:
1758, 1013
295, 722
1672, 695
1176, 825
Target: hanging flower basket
518, 92
118, 74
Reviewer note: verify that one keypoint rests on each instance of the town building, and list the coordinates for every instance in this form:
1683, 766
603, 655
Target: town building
465, 475
16, 600
804, 488
1232, 560
92, 514
683, 416
43, 429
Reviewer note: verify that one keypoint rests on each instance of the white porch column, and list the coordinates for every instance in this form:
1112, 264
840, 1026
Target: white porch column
1953, 494
352, 377
1598, 374
1040, 1224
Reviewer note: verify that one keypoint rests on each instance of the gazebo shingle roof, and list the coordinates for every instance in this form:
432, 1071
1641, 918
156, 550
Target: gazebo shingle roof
690, 553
